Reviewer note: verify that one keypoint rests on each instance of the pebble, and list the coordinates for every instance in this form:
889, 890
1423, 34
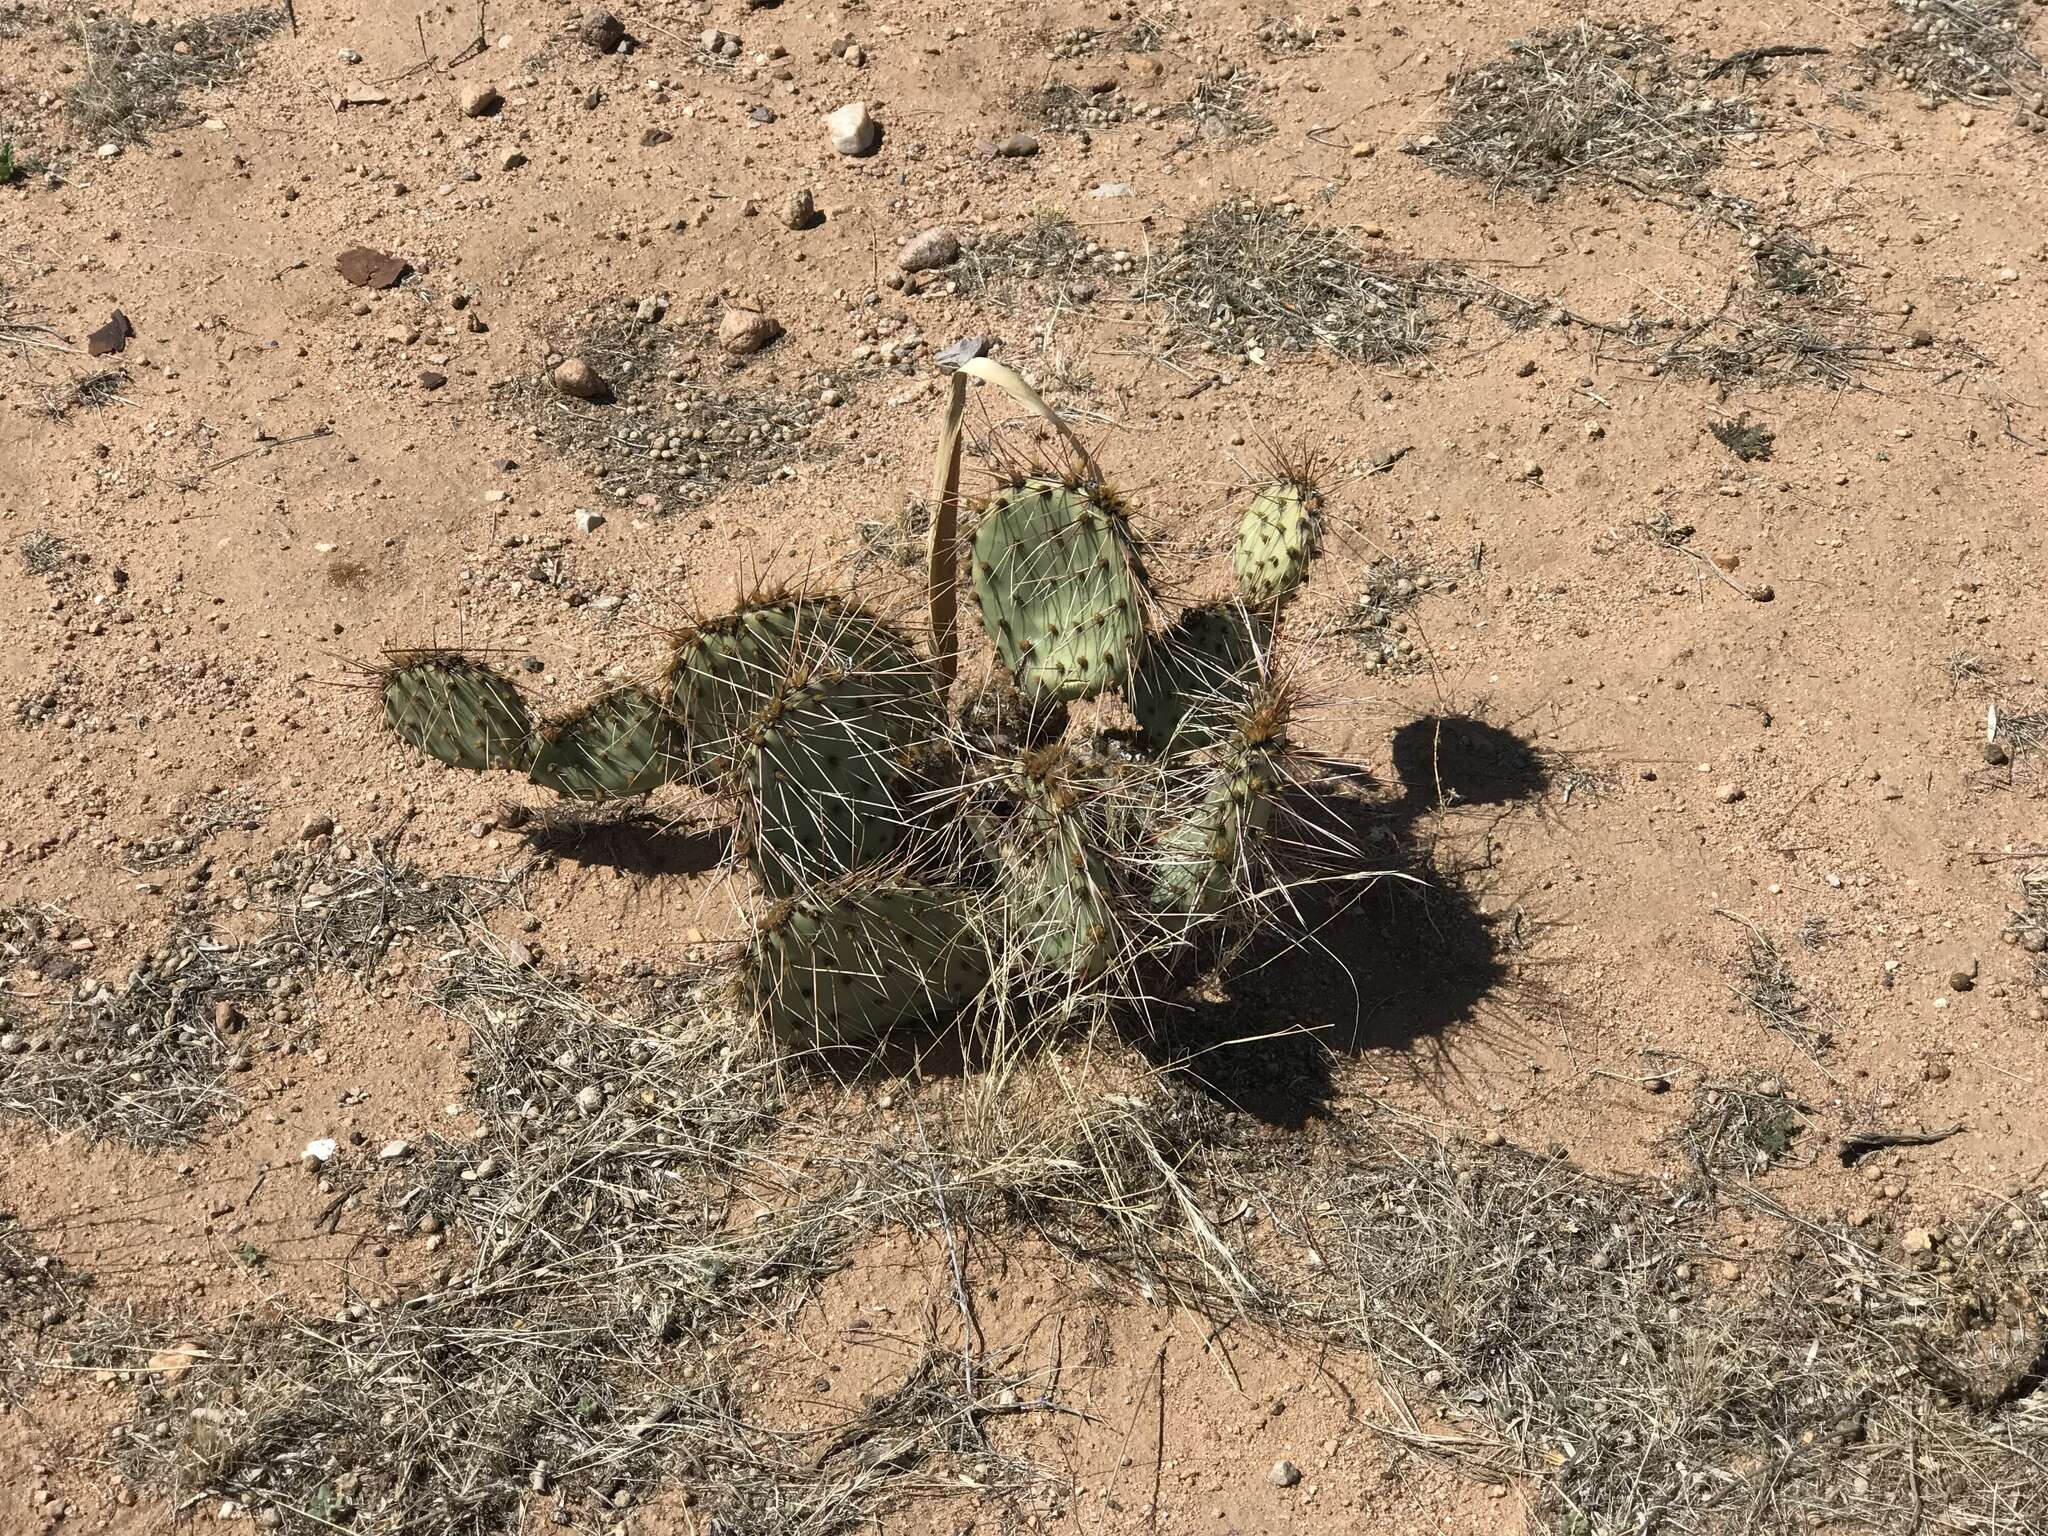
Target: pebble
936, 247
348, 56
746, 330
851, 130
589, 522
1728, 794
1017, 146
590, 1098
603, 31
512, 161
1961, 981
1284, 1474
108, 150
1918, 1240
481, 100
798, 209
314, 826
573, 376
1996, 753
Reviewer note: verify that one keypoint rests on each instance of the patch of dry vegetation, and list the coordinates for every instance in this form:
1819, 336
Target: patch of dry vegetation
1959, 50
137, 72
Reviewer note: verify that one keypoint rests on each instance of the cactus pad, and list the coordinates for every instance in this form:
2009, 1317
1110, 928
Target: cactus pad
845, 965
1059, 587
824, 774
457, 709
1053, 835
1204, 855
622, 743
1278, 540
1197, 676
725, 671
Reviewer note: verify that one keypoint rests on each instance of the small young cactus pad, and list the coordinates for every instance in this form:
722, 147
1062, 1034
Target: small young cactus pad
1204, 855
1197, 676
725, 671
823, 773
622, 743
1053, 842
1059, 587
1278, 540
457, 709
844, 965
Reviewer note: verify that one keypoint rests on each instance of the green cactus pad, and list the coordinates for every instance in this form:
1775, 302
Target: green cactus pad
1278, 541
1197, 676
455, 708
623, 743
1055, 824
1204, 855
725, 671
848, 964
1059, 587
825, 774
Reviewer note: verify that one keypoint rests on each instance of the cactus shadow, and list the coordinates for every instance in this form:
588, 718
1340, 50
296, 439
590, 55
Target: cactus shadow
1384, 968
642, 846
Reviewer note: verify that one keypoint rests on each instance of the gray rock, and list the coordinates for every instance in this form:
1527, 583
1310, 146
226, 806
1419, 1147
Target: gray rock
935, 247
851, 130
954, 353
602, 31
1018, 146
652, 308
799, 209
1285, 1474
588, 521
481, 99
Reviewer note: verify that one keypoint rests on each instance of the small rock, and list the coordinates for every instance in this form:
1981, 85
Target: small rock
589, 522
1918, 1240
1112, 189
1017, 146
1997, 753
602, 31
798, 209
481, 100
168, 1365
512, 161
651, 309
1728, 794
319, 1151
1531, 470
655, 136
432, 380
1962, 981
1284, 1474
1922, 337
590, 1098
851, 130
954, 353
746, 330
392, 1151
762, 114
314, 826
935, 247
108, 150
573, 376
348, 56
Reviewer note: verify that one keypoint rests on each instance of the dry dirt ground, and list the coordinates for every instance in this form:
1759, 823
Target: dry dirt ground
1710, 782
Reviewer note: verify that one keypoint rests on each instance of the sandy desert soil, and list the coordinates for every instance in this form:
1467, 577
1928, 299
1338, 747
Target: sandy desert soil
1679, 757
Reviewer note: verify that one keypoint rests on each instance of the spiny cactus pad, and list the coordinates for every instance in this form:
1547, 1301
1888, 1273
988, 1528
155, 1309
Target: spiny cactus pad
457, 709
1278, 540
1054, 842
1197, 676
623, 743
1059, 587
725, 671
855, 959
1204, 854
823, 772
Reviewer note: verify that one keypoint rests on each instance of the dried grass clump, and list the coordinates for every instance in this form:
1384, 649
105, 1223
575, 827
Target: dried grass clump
668, 430
1592, 101
1249, 275
38, 1292
1741, 1129
1220, 109
1050, 248
135, 76
1589, 1334
151, 1061
1959, 50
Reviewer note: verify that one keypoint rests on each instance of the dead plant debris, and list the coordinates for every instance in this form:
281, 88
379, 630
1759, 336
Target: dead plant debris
1600, 101
1959, 50
1749, 441
137, 72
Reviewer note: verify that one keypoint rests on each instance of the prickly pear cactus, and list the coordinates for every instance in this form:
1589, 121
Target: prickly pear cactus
1057, 906
825, 775
1278, 540
1196, 678
1208, 856
622, 743
1060, 589
457, 709
845, 964
724, 672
